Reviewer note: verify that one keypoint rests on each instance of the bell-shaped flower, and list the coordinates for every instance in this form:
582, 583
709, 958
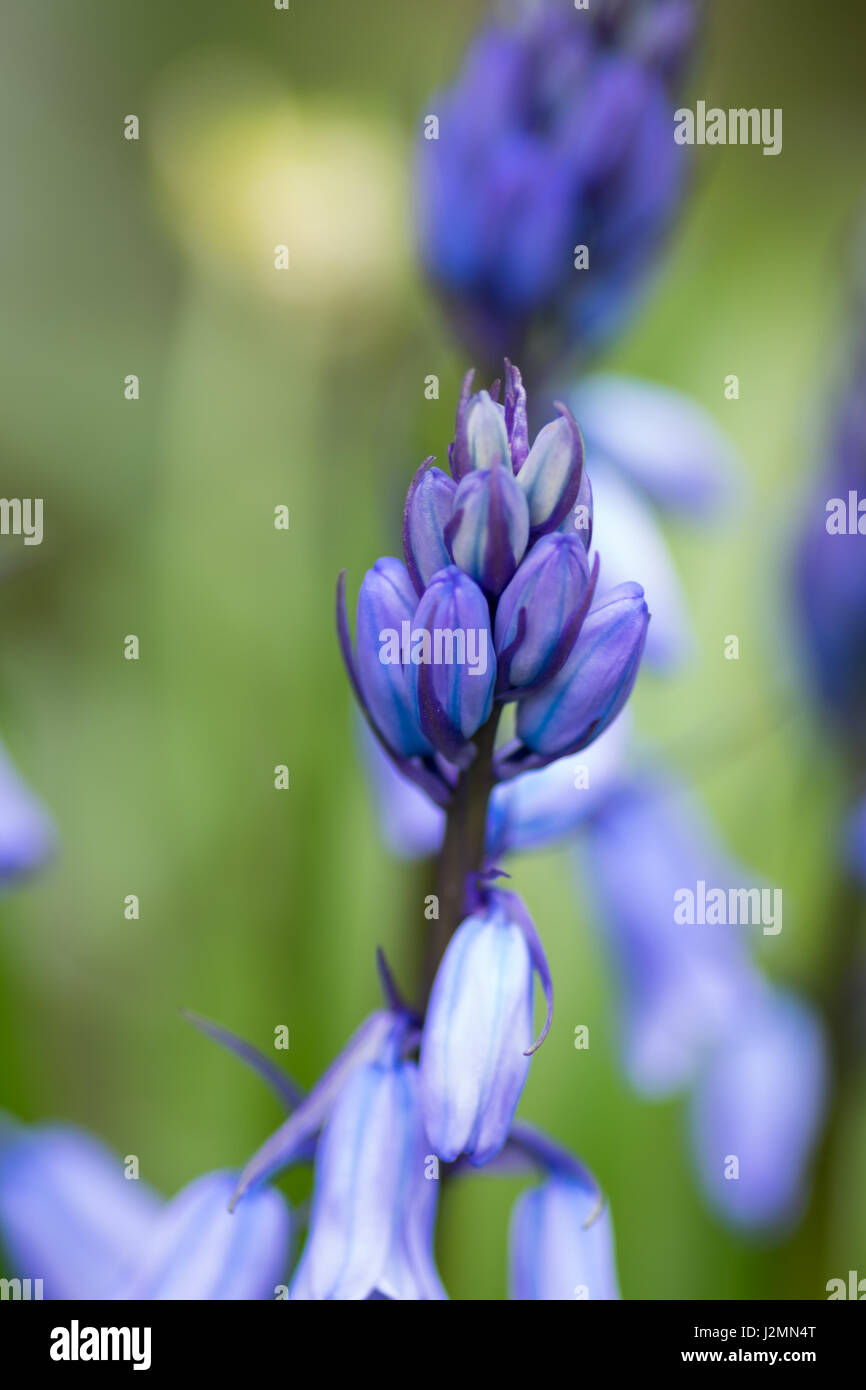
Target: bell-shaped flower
597, 678
453, 671
375, 1193
757, 1109
560, 1245
70, 1217
551, 474
682, 987
477, 1038
428, 510
540, 613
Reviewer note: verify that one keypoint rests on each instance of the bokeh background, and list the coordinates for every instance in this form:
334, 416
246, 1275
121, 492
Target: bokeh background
305, 388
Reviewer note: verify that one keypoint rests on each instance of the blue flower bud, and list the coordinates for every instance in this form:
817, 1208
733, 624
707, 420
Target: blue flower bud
387, 600
540, 612
453, 669
478, 1030
428, 510
553, 1253
552, 472
595, 682
489, 529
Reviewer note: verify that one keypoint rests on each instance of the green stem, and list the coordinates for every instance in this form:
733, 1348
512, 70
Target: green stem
462, 850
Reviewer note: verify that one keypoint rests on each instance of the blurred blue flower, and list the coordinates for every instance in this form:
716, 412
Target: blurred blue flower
27, 834
831, 567
757, 1109
683, 987
650, 451
556, 135
477, 1037
70, 1217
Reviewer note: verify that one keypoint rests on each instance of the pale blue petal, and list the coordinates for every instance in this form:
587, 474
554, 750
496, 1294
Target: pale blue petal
68, 1215
199, 1250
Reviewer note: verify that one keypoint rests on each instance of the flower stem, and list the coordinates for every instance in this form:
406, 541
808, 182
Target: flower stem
462, 850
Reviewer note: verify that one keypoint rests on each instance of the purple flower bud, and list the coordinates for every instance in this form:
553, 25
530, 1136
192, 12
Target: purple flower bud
489, 529
595, 682
453, 669
550, 477
478, 1031
428, 510
371, 1228
540, 612
487, 434
559, 1250
386, 601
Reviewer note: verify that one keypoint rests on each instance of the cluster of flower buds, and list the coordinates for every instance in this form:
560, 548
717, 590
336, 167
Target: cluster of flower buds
493, 603
551, 174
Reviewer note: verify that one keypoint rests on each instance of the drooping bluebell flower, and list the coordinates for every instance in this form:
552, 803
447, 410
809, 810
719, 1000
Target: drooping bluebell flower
556, 136
69, 1217
375, 1195
27, 835
683, 986
477, 1037
757, 1109
560, 1246
589, 691
374, 1202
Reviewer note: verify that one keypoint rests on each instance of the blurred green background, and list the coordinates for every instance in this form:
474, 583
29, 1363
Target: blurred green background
305, 388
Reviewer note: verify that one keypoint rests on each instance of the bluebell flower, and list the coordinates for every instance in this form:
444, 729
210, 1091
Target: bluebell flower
555, 136
69, 1217
477, 1038
375, 1195
560, 1246
27, 835
683, 986
757, 1110
489, 528
591, 688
